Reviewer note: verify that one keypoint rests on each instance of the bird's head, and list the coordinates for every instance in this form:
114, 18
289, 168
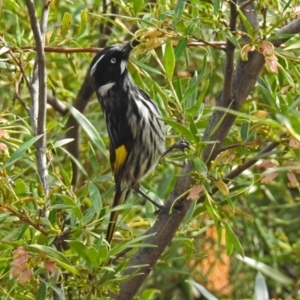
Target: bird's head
110, 64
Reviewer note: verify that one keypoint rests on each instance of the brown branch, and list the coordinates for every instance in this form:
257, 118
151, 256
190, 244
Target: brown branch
57, 105
60, 49
24, 217
202, 43
245, 166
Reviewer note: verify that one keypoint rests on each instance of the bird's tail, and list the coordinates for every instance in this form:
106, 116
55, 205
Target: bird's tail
120, 198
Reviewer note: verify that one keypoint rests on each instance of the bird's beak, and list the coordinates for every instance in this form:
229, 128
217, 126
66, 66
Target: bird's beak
128, 47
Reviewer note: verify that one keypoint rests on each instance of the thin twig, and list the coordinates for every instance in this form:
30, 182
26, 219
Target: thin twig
57, 105
245, 166
202, 43
24, 217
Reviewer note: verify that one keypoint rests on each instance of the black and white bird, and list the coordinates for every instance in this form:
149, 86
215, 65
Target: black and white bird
136, 133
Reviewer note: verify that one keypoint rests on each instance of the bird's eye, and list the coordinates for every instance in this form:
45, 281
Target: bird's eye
113, 60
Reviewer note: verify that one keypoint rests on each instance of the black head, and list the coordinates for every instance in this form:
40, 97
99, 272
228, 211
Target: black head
110, 64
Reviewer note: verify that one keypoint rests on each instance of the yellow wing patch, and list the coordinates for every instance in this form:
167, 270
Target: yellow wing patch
121, 155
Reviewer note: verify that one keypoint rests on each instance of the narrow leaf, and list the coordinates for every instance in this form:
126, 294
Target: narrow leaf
180, 48
65, 23
261, 289
267, 270
181, 129
179, 8
95, 196
21, 151
89, 129
169, 60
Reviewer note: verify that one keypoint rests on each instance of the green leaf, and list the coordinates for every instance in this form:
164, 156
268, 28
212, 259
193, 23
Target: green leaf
169, 60
71, 205
20, 187
246, 23
245, 130
42, 291
232, 240
90, 130
216, 4
149, 294
137, 6
146, 67
180, 48
192, 26
20, 152
93, 256
193, 129
72, 65
95, 196
83, 21
181, 129
179, 8
200, 166
65, 23
55, 256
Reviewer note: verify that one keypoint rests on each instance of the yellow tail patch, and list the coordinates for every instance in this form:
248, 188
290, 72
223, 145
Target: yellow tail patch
121, 155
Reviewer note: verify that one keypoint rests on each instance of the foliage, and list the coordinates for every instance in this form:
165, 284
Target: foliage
58, 238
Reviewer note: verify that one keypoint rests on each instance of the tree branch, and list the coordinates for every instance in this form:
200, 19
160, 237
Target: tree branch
39, 90
57, 105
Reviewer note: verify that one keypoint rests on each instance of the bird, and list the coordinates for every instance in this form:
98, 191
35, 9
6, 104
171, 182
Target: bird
133, 120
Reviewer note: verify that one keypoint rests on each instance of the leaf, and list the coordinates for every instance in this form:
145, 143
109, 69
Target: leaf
42, 291
55, 256
20, 187
146, 67
3, 50
169, 60
193, 129
149, 294
83, 21
222, 187
245, 131
192, 26
20, 152
232, 240
200, 166
71, 205
246, 23
65, 23
137, 6
202, 290
261, 289
90, 130
180, 48
267, 270
179, 8
60, 143
180, 129
95, 196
